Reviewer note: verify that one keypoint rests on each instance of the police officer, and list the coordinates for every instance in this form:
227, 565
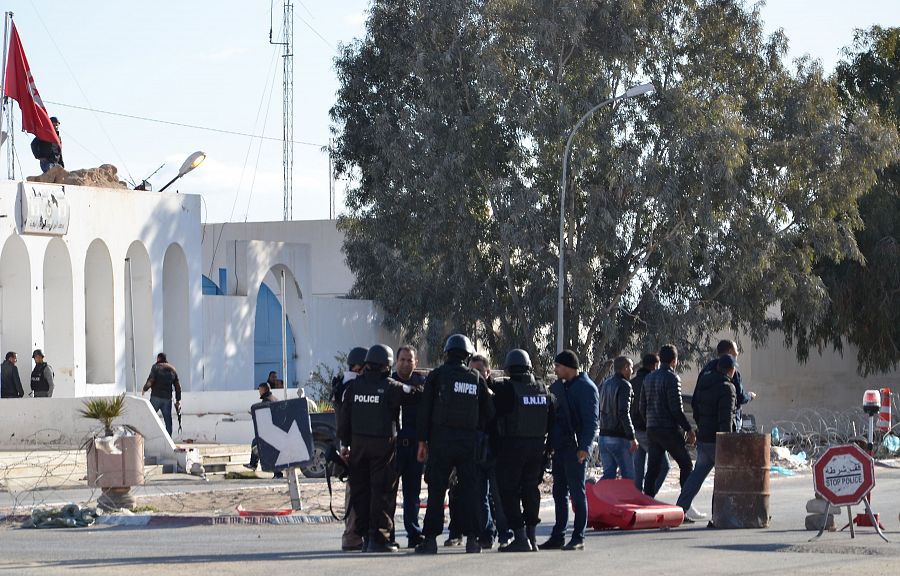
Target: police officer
455, 404
42, 377
356, 361
524, 412
367, 429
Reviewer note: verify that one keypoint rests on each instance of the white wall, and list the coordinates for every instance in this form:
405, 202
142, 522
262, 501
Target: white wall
29, 422
118, 218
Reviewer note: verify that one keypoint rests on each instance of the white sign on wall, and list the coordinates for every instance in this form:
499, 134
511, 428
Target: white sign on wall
45, 209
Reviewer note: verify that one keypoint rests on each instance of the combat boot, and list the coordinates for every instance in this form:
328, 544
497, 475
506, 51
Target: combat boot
520, 542
428, 546
531, 534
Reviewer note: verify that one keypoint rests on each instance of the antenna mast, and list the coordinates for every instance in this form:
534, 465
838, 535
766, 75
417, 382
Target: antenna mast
287, 106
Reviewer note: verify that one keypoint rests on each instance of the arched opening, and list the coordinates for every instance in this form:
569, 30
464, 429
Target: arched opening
59, 324
15, 304
267, 350
139, 356
99, 324
176, 313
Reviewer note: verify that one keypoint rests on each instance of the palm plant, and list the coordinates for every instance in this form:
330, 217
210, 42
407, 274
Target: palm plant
104, 410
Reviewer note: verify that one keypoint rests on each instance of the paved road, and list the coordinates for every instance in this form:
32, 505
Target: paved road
780, 549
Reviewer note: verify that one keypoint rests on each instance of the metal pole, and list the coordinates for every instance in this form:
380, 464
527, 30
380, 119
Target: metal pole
561, 281
131, 308
284, 362
7, 18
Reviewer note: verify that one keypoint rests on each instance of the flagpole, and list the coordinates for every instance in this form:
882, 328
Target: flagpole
7, 18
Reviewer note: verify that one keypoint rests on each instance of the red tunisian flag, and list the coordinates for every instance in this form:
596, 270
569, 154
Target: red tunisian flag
20, 87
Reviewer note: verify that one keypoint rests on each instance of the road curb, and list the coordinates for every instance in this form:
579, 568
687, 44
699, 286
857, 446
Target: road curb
161, 521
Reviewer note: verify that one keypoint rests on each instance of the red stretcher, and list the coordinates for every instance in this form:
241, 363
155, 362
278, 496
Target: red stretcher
618, 504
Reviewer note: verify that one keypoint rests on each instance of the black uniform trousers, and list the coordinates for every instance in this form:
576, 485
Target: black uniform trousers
373, 486
443, 455
520, 471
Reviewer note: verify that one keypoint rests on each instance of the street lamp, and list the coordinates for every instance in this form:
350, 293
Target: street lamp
560, 307
192, 162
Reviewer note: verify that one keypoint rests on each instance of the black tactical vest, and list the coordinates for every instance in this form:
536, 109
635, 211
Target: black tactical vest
372, 413
39, 381
528, 418
456, 405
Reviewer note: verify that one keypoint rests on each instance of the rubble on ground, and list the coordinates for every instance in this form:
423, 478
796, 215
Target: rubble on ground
104, 176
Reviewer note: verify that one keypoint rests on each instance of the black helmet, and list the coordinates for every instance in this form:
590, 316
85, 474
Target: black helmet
517, 357
356, 356
459, 342
381, 355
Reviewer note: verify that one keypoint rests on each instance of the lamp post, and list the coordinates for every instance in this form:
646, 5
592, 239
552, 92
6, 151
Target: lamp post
192, 162
560, 305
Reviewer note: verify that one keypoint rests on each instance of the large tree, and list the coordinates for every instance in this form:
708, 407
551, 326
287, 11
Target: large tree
864, 292
703, 206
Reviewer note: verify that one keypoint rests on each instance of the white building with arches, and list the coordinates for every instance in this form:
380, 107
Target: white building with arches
103, 293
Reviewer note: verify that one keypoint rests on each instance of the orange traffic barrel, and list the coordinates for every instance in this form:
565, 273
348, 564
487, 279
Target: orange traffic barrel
741, 486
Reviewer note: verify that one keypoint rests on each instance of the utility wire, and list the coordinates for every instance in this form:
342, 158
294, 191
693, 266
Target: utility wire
80, 89
194, 126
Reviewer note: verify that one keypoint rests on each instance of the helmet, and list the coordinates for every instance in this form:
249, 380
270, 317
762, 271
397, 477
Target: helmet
517, 357
381, 355
459, 342
356, 356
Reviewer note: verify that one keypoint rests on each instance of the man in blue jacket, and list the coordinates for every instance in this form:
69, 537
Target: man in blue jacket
570, 439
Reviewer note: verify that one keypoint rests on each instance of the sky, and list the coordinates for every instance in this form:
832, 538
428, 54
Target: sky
208, 64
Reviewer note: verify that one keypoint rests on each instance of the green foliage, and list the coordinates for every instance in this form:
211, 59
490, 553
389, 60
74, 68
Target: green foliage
695, 209
104, 410
318, 386
863, 292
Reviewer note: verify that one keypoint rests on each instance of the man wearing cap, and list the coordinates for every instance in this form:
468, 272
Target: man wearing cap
48, 153
723, 348
10, 383
41, 376
570, 438
714, 403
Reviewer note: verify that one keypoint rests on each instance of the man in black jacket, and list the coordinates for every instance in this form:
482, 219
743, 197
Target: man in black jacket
356, 360
368, 431
617, 442
408, 466
713, 404
10, 383
455, 405
41, 376
649, 363
661, 407
729, 348
525, 411
163, 378
265, 397
49, 154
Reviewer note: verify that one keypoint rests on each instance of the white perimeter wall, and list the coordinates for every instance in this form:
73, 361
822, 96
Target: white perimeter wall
90, 352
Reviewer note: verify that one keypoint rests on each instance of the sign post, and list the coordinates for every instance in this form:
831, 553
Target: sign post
284, 439
844, 476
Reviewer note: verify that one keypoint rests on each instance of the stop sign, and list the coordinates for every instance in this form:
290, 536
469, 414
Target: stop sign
844, 475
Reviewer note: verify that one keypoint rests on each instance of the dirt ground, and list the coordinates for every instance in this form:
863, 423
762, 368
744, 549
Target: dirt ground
224, 501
